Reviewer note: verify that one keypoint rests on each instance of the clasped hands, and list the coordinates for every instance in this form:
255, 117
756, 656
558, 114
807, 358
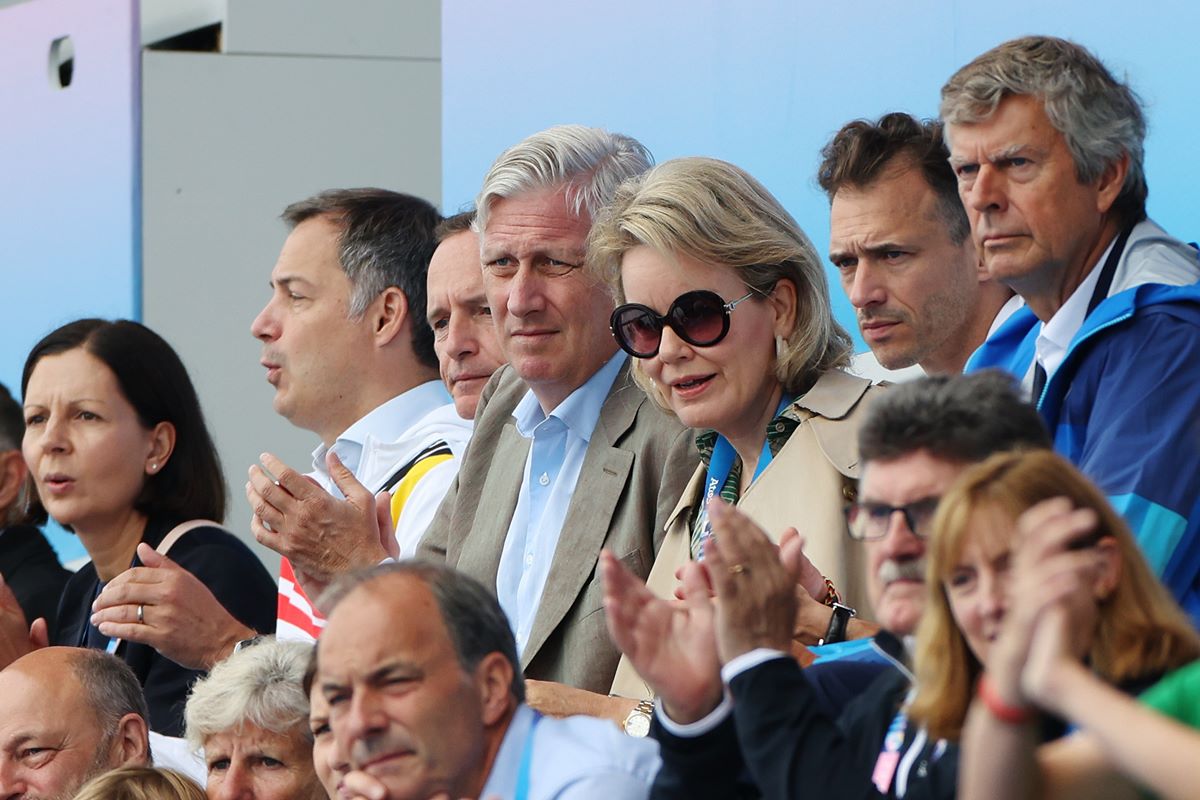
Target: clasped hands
741, 598
320, 535
1055, 587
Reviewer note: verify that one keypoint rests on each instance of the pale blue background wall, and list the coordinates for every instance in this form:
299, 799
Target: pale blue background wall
765, 83
69, 216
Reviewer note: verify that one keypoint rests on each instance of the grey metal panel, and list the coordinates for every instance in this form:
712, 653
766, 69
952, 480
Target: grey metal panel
162, 19
373, 28
228, 141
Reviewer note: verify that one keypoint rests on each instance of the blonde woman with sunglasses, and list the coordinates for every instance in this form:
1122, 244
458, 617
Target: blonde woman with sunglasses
724, 306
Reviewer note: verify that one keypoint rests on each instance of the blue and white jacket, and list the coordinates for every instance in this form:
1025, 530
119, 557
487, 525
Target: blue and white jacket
1124, 407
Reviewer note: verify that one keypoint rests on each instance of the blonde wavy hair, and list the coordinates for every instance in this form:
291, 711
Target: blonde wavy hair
1141, 631
718, 213
141, 783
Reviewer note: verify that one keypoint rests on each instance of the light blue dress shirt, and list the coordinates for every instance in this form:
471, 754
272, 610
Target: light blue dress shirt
560, 441
576, 758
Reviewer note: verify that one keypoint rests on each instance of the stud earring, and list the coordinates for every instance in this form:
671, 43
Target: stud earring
153, 467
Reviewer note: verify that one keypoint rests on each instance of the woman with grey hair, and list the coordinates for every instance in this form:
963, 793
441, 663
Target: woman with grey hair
250, 718
725, 309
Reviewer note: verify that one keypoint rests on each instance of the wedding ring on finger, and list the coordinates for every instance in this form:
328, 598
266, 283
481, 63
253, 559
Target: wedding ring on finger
141, 614
738, 569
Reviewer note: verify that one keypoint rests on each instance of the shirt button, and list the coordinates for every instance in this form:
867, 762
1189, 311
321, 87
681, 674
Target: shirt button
529, 559
544, 480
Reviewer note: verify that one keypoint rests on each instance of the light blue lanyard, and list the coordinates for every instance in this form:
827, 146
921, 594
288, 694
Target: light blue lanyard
526, 771
721, 463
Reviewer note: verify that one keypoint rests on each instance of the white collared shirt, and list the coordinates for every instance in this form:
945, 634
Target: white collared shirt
374, 448
576, 758
1150, 256
560, 441
386, 423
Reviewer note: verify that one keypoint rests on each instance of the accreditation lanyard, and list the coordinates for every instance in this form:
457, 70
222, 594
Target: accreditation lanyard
889, 754
87, 639
526, 771
720, 464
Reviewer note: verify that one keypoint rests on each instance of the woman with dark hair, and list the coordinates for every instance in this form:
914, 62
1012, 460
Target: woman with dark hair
117, 447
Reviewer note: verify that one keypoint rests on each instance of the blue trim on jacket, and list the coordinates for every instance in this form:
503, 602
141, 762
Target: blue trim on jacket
1125, 408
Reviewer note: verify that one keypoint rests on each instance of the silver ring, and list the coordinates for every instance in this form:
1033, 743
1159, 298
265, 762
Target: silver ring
141, 614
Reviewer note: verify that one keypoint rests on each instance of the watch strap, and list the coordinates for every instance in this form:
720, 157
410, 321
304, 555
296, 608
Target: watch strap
838, 622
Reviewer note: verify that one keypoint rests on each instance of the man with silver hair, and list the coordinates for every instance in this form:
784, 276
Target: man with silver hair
568, 455
1047, 147
250, 719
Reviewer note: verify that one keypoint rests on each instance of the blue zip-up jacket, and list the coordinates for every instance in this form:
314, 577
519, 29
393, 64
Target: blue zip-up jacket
1125, 408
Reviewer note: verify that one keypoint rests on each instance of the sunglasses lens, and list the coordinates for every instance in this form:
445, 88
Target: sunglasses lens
637, 330
699, 318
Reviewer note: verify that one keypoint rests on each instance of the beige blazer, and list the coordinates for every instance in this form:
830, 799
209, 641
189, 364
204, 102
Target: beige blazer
805, 487
636, 464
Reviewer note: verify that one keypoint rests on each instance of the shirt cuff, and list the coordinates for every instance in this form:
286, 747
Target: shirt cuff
745, 661
701, 726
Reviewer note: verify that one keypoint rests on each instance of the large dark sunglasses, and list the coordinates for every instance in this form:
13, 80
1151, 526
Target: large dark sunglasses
700, 318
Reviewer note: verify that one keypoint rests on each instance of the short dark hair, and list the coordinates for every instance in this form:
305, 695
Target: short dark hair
387, 240
962, 418
12, 430
459, 223
12, 421
110, 688
862, 151
471, 613
154, 381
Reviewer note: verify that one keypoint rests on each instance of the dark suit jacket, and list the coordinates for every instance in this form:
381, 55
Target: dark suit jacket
636, 465
779, 738
31, 569
223, 563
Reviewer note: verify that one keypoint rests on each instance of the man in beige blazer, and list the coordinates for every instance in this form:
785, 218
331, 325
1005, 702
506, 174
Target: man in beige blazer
568, 455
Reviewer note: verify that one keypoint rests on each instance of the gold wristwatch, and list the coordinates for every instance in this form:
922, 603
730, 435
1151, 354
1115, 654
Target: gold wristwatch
637, 724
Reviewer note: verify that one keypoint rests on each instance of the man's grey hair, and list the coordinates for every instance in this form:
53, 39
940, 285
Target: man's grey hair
110, 688
261, 685
1100, 117
590, 163
471, 613
963, 418
386, 240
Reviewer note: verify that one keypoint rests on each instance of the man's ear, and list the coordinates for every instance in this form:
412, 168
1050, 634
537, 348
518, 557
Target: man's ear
12, 478
389, 315
131, 746
1111, 182
493, 679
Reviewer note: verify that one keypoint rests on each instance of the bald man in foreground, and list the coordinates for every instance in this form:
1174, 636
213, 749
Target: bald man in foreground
68, 714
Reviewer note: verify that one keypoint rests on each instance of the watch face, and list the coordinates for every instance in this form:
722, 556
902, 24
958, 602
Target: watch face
637, 724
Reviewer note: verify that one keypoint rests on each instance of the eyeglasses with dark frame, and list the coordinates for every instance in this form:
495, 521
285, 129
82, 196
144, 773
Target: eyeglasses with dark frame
867, 521
700, 318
